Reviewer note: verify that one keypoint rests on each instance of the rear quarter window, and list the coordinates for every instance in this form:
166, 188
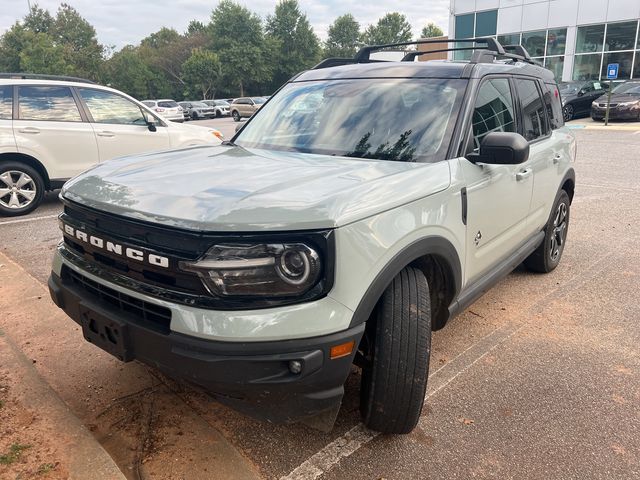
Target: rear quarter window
554, 105
6, 102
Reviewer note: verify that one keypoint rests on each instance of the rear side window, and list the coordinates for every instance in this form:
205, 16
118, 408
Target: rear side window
554, 107
493, 111
6, 102
534, 119
107, 107
48, 103
167, 104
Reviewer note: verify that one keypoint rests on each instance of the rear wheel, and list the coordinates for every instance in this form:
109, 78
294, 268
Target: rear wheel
236, 115
21, 189
547, 256
396, 366
567, 112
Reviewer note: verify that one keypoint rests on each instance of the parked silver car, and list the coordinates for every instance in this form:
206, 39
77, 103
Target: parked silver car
221, 107
197, 110
167, 108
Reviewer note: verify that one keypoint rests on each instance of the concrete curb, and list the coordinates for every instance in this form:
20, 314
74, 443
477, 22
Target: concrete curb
82, 455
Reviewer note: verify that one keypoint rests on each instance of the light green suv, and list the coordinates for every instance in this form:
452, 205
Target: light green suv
362, 207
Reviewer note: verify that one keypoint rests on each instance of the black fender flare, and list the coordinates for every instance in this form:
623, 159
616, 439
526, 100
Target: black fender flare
569, 176
433, 245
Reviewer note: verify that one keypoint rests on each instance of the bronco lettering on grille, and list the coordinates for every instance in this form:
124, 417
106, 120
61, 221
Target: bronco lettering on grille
115, 248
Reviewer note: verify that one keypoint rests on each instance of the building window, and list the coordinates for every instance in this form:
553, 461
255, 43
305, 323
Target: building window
621, 36
486, 23
479, 24
590, 39
624, 59
587, 67
534, 42
555, 64
556, 41
509, 39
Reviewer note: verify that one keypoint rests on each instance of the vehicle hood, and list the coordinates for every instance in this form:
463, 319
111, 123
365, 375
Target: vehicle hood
225, 188
619, 98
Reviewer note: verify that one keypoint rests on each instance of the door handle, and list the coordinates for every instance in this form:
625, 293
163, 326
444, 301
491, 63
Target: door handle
523, 174
30, 130
106, 133
556, 158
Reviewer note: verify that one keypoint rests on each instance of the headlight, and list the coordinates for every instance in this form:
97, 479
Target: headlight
259, 269
626, 104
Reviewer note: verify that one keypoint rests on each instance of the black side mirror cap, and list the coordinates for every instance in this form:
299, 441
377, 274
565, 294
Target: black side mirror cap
151, 126
502, 148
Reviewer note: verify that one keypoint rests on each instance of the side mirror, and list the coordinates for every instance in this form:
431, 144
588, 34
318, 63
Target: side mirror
151, 126
502, 148
580, 93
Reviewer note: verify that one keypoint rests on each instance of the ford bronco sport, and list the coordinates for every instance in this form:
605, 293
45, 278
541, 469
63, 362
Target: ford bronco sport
361, 208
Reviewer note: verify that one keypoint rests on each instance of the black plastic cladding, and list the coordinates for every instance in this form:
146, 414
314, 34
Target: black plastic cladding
180, 244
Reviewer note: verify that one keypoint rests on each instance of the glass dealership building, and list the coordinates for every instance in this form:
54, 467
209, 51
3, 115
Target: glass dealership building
574, 38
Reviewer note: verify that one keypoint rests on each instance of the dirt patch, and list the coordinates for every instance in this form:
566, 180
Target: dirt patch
27, 444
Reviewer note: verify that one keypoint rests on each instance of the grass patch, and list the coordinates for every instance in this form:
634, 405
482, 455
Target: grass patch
15, 450
45, 468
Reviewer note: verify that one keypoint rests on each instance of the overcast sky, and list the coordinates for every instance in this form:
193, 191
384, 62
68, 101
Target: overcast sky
120, 22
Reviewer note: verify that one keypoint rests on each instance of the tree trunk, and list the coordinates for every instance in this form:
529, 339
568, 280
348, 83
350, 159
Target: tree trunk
241, 90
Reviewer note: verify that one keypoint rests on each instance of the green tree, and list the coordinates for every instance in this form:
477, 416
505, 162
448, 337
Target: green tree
343, 37
78, 39
392, 28
127, 70
431, 30
201, 72
298, 47
38, 20
238, 40
40, 55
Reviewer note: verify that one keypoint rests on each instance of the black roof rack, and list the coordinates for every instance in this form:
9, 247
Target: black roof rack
489, 50
40, 76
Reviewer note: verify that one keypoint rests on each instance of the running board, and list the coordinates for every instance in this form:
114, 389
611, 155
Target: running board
504, 268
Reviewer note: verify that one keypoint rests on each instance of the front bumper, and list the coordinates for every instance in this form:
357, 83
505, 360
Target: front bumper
615, 113
252, 377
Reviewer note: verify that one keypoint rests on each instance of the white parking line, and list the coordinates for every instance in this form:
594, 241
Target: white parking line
31, 219
351, 441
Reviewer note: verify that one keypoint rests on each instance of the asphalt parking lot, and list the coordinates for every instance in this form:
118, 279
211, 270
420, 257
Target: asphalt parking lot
540, 378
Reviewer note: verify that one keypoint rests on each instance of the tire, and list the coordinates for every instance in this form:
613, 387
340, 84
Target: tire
194, 116
567, 112
21, 189
236, 116
547, 256
218, 114
396, 368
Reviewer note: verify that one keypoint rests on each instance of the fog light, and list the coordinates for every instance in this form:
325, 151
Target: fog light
295, 366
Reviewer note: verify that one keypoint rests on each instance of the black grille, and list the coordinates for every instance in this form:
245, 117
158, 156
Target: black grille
139, 311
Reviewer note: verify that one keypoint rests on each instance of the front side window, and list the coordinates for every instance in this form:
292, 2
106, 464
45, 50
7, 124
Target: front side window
48, 103
534, 124
106, 107
386, 119
6, 102
493, 111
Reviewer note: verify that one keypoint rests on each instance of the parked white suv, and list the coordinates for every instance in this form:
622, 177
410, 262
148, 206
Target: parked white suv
167, 108
51, 130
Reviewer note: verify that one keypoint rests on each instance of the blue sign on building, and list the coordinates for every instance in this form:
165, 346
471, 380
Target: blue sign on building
612, 71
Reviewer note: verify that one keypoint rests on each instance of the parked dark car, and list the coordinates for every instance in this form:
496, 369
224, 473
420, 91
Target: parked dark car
577, 97
625, 103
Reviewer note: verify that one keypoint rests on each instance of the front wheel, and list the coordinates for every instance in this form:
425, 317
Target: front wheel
236, 115
547, 256
396, 365
21, 189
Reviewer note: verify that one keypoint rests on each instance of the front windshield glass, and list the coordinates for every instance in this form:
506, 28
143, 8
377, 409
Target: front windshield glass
386, 119
221, 103
258, 100
630, 88
569, 88
200, 104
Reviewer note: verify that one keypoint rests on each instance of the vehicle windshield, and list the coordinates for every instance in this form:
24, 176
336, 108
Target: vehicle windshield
199, 104
168, 104
629, 88
221, 103
258, 100
390, 119
569, 88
